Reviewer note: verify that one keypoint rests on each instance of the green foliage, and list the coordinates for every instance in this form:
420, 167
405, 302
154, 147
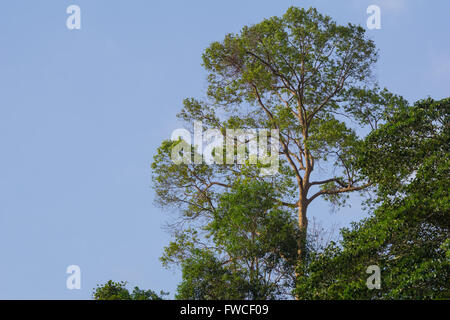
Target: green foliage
118, 291
407, 236
237, 236
301, 74
206, 278
251, 252
298, 73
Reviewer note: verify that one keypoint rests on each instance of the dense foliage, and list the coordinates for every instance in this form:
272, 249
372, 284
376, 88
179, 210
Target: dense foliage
407, 235
253, 249
118, 291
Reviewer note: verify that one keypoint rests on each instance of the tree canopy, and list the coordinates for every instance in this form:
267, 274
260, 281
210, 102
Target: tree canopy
301, 74
118, 291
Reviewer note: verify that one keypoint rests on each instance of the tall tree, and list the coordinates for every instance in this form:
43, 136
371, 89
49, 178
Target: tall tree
301, 74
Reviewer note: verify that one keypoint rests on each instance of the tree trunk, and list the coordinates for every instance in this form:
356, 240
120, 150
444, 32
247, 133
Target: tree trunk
303, 227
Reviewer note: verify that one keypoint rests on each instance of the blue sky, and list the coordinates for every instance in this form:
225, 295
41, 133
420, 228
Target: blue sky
83, 111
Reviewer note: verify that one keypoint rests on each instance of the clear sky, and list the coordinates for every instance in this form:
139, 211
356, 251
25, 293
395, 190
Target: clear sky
83, 111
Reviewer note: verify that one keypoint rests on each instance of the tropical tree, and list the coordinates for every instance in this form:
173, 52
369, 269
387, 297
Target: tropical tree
301, 74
